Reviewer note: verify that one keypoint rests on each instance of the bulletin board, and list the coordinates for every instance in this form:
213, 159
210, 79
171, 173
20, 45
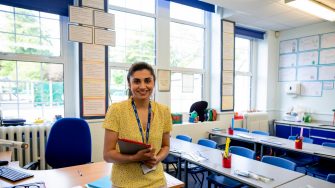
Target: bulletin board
309, 60
227, 65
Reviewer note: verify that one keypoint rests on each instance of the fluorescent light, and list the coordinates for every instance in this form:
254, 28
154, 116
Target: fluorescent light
314, 8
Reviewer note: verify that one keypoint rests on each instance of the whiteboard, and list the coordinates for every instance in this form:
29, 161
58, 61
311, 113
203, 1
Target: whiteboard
307, 73
288, 46
309, 43
327, 56
287, 74
312, 89
327, 73
308, 58
287, 60
328, 40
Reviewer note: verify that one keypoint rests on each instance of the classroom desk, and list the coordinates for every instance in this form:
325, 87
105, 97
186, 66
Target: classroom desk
70, 176
308, 182
213, 162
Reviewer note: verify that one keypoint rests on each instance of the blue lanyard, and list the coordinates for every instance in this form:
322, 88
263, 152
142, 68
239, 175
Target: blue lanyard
139, 122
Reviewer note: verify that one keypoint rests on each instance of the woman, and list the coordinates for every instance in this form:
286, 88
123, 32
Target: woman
142, 120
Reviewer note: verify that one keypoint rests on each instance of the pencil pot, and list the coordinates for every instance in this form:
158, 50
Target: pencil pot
230, 131
298, 144
226, 162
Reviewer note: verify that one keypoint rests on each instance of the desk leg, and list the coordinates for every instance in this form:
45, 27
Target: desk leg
209, 136
179, 169
186, 174
255, 146
261, 150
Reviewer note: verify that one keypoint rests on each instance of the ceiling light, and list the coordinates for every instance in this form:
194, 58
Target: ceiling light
314, 8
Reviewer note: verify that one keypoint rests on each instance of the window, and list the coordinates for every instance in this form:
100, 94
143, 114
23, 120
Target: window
31, 83
187, 48
29, 32
243, 74
135, 31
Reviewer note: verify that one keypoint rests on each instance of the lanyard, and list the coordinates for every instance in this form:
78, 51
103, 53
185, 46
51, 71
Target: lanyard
139, 122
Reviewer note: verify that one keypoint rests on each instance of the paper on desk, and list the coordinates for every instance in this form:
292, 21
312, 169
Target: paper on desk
245, 136
195, 157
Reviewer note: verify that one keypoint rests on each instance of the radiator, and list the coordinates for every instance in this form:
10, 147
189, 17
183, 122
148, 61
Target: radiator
256, 121
35, 135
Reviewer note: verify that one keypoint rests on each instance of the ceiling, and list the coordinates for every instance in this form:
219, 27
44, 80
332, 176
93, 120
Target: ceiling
267, 14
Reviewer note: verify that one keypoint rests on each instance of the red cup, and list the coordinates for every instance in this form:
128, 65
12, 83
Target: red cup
298, 144
226, 162
230, 131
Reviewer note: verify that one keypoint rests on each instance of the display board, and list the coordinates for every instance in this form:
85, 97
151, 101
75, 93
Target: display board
227, 65
93, 27
309, 60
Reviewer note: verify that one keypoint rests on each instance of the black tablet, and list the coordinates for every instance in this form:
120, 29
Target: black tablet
131, 147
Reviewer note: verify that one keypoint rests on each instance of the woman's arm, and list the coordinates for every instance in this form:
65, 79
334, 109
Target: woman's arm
161, 155
111, 155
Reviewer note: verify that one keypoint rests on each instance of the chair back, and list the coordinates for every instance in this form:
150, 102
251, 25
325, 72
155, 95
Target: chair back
261, 133
331, 178
184, 137
328, 144
280, 162
207, 143
242, 151
305, 140
241, 129
69, 143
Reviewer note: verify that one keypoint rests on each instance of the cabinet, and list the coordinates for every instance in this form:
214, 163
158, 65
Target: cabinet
319, 136
296, 131
283, 131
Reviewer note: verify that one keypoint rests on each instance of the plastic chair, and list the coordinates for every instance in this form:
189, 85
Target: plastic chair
324, 166
280, 162
331, 178
241, 129
244, 152
301, 160
69, 143
260, 133
222, 181
172, 160
305, 140
195, 169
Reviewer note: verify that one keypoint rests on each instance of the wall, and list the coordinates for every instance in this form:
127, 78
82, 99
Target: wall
320, 107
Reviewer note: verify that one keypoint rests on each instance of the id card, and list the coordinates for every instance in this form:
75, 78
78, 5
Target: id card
146, 169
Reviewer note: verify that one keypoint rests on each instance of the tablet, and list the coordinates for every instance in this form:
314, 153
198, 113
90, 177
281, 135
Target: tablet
130, 146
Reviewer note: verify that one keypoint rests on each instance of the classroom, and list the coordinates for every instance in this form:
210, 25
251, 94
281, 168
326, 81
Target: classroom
235, 76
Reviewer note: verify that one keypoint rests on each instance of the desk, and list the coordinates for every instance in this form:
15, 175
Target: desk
214, 163
308, 182
69, 176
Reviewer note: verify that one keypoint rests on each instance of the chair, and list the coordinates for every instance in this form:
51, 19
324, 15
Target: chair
301, 160
260, 133
280, 162
69, 143
195, 169
324, 166
331, 178
172, 160
241, 129
219, 180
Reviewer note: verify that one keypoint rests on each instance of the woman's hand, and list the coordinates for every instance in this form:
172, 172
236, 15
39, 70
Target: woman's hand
151, 162
145, 154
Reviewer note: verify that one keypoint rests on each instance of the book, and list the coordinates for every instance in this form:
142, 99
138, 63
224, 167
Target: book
101, 183
130, 146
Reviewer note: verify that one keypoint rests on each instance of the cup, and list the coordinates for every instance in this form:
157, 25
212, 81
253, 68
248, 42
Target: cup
298, 144
226, 161
230, 131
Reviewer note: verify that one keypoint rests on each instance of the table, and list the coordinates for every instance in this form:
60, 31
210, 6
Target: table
70, 176
308, 182
213, 162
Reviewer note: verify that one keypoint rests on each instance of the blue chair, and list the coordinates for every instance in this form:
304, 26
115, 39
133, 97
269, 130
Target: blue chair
241, 129
261, 133
301, 160
324, 166
172, 160
195, 169
331, 178
280, 162
69, 143
245, 152
305, 140
223, 181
